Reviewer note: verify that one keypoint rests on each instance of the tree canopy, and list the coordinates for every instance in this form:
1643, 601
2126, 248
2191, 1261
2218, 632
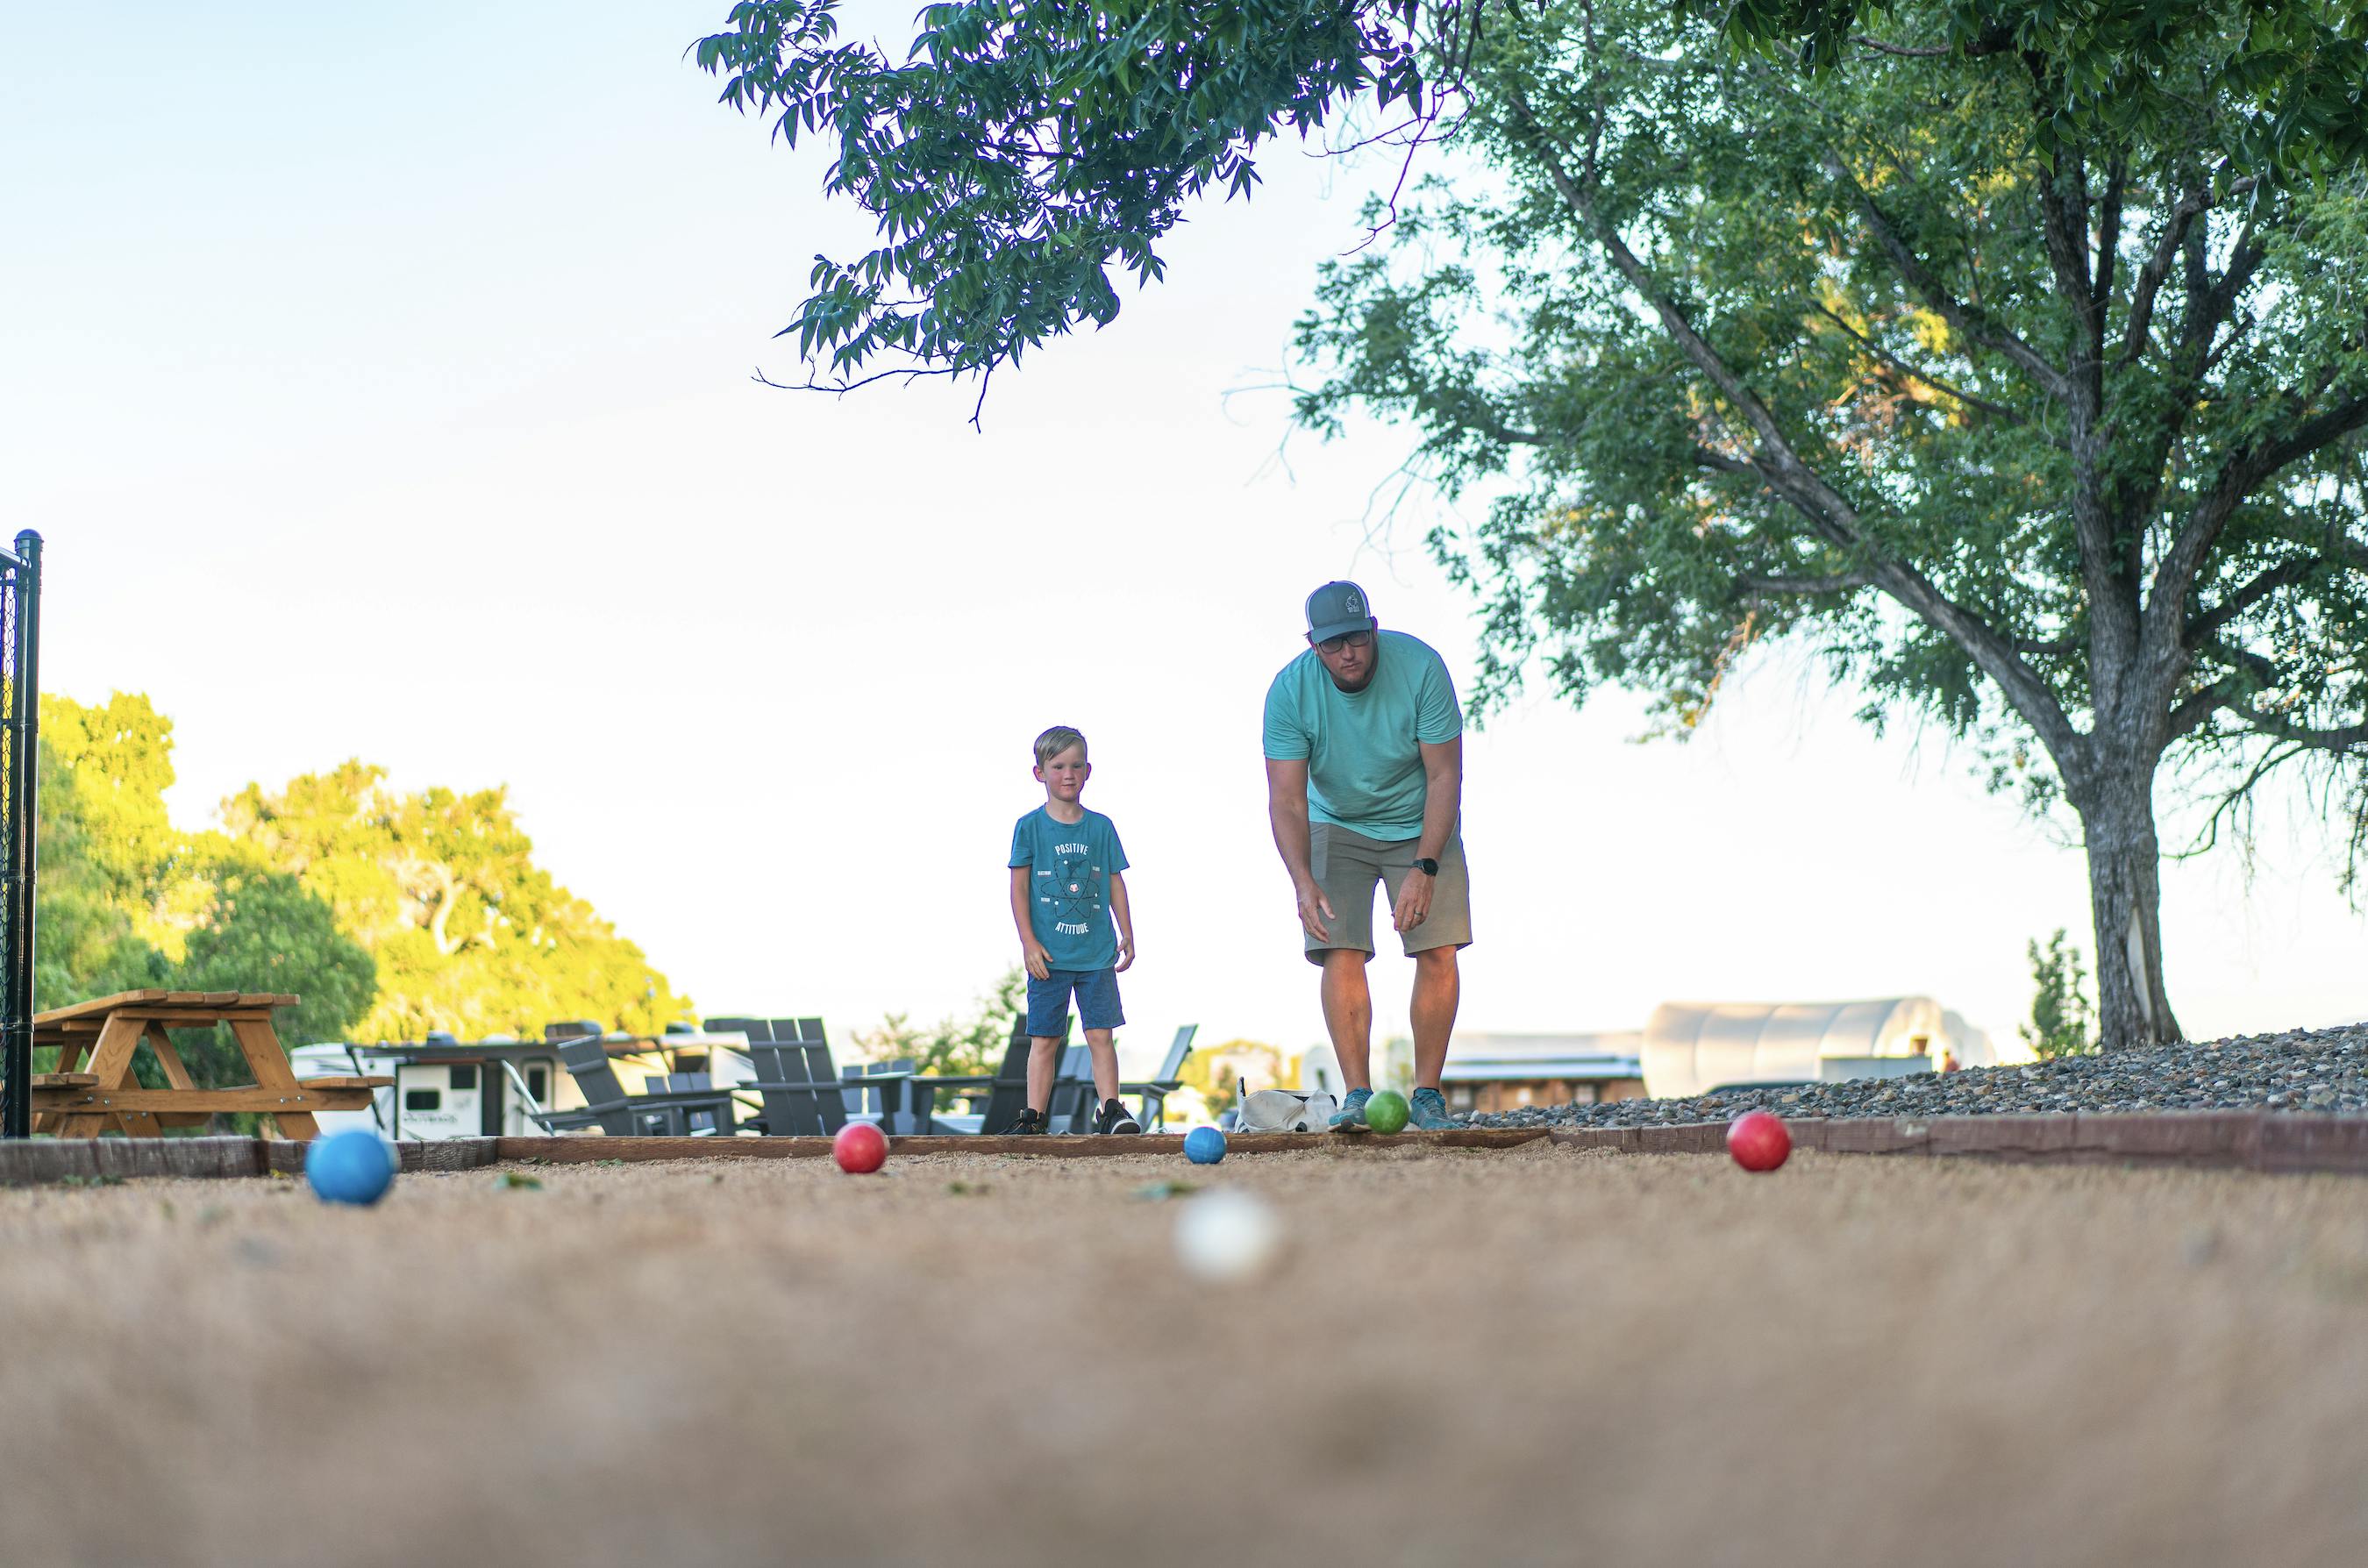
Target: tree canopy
469, 933
1018, 155
389, 914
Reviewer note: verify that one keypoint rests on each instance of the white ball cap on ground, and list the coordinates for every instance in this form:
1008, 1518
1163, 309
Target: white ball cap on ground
1227, 1236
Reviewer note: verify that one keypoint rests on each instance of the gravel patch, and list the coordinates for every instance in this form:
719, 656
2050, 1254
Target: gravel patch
2301, 1070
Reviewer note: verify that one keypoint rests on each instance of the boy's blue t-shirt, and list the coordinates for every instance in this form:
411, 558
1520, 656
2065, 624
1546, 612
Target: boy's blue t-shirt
1068, 894
1364, 748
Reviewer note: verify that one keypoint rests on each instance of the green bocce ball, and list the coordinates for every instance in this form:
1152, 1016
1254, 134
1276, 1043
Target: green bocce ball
1386, 1112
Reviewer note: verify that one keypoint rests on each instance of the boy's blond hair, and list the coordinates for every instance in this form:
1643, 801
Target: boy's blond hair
1056, 741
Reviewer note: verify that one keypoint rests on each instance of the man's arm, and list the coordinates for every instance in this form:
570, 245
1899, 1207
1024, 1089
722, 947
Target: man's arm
1032, 951
1442, 776
1123, 916
1286, 813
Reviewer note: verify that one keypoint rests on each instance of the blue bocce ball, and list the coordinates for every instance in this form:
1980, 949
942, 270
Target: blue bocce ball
350, 1166
1204, 1145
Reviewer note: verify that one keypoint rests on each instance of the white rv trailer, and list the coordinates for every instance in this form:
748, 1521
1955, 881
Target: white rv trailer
488, 1088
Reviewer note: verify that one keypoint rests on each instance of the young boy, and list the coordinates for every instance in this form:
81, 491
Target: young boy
1075, 932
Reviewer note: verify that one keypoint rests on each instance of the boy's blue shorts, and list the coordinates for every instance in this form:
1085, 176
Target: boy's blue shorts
1097, 1005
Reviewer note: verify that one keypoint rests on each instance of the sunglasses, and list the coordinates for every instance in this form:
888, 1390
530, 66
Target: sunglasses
1353, 640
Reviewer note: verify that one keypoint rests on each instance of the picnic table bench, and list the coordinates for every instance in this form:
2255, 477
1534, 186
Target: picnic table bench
77, 1100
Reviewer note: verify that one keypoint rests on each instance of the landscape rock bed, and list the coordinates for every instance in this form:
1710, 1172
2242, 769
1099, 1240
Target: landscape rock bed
2301, 1070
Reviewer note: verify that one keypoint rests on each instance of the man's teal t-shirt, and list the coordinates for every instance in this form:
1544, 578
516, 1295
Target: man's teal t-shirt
1068, 891
1364, 749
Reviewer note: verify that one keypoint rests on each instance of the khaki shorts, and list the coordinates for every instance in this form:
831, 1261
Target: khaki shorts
1347, 865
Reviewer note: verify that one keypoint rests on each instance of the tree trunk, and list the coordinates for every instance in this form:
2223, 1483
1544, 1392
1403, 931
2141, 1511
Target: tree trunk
2125, 899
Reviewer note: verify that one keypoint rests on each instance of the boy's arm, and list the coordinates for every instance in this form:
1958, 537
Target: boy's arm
1124, 918
1032, 951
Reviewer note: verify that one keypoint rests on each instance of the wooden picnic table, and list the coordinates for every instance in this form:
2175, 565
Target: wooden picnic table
79, 1101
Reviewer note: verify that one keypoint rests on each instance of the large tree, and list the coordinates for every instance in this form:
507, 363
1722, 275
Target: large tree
2011, 354
442, 887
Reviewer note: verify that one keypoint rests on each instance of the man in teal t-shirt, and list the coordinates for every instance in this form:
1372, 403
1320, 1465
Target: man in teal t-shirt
1364, 779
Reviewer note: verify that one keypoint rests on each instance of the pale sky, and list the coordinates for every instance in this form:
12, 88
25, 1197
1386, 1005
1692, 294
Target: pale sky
379, 379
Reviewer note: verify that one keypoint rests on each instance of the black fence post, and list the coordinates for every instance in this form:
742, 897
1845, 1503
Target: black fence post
20, 604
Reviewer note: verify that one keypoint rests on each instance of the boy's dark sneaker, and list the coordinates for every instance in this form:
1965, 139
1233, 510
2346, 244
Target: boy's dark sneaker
1115, 1117
1030, 1119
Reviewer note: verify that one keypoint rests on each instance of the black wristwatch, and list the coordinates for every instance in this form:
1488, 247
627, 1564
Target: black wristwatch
1428, 867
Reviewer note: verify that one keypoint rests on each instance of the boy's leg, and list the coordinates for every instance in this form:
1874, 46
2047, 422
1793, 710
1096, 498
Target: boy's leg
1043, 1056
1100, 1011
1048, 1007
1105, 1052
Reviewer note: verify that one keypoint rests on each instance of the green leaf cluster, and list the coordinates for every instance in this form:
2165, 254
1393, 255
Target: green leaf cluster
969, 1044
1024, 150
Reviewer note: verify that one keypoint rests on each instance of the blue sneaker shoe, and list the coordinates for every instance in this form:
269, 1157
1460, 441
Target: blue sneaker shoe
1428, 1112
1350, 1116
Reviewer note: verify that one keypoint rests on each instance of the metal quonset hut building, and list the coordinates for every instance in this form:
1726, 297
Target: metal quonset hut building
1691, 1048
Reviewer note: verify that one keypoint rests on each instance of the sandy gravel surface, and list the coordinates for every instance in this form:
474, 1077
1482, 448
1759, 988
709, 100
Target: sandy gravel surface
1527, 1356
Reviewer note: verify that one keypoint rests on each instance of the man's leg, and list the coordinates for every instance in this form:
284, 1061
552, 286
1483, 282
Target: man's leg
1438, 986
1348, 1015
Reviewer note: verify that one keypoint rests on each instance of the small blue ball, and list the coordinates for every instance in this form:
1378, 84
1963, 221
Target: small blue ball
1204, 1145
350, 1166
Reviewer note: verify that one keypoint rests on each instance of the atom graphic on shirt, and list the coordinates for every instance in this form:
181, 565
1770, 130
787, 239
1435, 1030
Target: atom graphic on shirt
1074, 889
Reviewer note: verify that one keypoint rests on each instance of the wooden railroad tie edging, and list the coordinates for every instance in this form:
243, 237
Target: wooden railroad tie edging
2228, 1140
2278, 1142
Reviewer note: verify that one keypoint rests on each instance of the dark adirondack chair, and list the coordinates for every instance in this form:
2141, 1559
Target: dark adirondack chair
1074, 1102
608, 1107
882, 1092
1005, 1093
1152, 1112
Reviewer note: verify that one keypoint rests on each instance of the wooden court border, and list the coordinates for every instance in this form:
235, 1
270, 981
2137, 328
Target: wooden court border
2281, 1142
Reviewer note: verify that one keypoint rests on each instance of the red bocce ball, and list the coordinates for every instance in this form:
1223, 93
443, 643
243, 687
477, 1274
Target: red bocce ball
860, 1148
1758, 1140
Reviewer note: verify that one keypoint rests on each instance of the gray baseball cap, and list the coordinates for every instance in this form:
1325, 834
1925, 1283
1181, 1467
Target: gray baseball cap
1337, 608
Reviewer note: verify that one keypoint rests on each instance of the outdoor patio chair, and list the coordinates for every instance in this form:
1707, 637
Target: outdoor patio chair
684, 1083
881, 1092
608, 1107
1153, 1110
1074, 1101
1005, 1093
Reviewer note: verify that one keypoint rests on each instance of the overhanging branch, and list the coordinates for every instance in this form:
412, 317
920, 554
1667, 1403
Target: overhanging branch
1967, 321
1828, 513
2166, 608
1929, 380
1836, 583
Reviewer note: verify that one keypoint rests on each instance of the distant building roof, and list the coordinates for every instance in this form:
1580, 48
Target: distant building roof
1497, 1058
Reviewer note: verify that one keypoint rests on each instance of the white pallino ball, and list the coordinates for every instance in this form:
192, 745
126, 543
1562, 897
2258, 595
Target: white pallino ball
1226, 1235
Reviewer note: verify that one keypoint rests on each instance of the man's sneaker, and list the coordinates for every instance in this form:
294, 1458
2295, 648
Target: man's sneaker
1029, 1121
1350, 1116
1115, 1117
1427, 1111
